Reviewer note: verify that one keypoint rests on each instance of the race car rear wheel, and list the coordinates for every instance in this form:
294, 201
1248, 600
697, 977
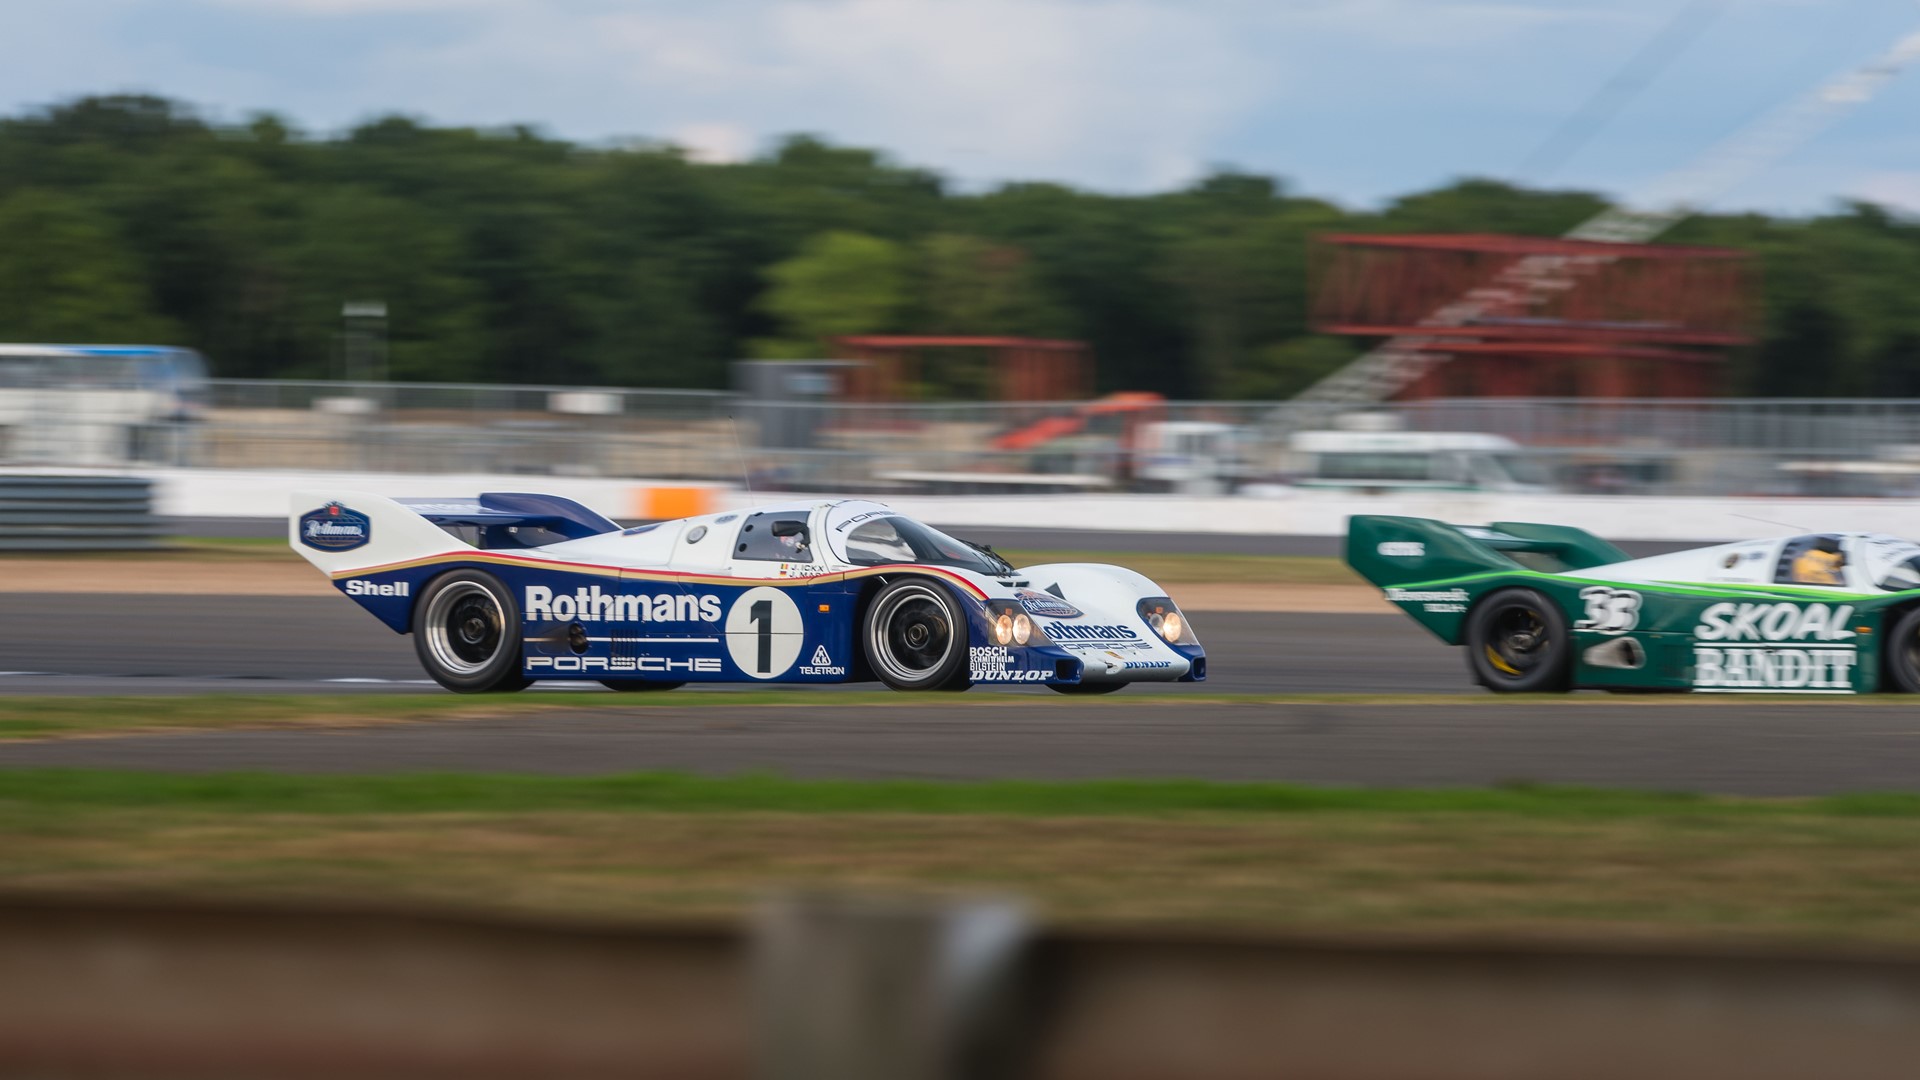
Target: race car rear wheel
466, 630
1517, 642
916, 637
1903, 654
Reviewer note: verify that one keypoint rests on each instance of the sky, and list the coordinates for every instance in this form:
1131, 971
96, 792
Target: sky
1353, 100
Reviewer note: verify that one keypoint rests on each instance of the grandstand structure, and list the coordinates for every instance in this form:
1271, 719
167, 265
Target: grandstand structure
1634, 320
1531, 281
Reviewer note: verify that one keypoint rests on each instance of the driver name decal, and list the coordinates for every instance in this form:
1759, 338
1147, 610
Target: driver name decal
1776, 648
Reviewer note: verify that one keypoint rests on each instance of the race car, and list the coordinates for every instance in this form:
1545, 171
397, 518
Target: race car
510, 588
1549, 608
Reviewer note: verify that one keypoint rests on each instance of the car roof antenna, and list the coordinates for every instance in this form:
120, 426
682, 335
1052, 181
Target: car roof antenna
746, 474
1764, 521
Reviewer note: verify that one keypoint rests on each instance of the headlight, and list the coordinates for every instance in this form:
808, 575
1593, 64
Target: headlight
1009, 624
1166, 620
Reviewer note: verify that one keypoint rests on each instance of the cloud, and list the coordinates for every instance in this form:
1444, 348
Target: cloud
1899, 190
1357, 98
1115, 93
353, 7
714, 144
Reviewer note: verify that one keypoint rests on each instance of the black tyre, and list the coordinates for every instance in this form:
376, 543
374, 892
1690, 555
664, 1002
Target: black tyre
1085, 688
466, 630
636, 686
1517, 643
1902, 654
916, 637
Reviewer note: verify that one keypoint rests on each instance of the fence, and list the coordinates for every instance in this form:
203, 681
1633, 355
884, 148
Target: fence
1667, 446
159, 989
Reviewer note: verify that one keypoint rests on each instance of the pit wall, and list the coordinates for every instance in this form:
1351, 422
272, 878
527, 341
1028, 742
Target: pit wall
263, 494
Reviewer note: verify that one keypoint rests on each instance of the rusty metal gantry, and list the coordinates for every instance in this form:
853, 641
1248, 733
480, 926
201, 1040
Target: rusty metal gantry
1632, 320
1025, 369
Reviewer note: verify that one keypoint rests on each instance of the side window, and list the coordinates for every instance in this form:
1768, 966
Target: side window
776, 538
877, 542
1812, 560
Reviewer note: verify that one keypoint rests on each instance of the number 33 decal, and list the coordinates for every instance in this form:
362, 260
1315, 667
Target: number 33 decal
1610, 611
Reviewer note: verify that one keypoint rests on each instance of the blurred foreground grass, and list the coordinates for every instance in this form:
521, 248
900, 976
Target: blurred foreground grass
1510, 861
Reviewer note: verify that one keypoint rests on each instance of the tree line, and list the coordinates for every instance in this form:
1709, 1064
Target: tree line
511, 256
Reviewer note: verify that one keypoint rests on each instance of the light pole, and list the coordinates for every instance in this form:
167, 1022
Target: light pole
365, 336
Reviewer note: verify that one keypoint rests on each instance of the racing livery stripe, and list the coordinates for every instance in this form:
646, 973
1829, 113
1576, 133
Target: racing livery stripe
492, 558
1785, 592
635, 574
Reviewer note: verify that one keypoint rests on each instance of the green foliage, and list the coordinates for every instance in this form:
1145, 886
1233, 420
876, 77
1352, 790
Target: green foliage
62, 277
840, 283
1279, 371
506, 255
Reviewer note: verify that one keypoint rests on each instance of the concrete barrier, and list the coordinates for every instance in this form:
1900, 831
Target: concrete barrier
244, 493
76, 513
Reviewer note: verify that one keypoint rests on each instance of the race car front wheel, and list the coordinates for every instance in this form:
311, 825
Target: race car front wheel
1903, 654
1517, 642
916, 637
467, 632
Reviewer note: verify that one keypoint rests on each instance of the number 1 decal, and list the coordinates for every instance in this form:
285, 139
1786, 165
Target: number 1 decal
764, 632
762, 615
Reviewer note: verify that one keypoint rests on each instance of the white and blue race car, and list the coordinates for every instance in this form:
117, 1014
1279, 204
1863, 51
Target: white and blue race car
508, 588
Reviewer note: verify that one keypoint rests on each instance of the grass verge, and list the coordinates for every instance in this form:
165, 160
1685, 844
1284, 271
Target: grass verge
759, 792
1511, 861
52, 716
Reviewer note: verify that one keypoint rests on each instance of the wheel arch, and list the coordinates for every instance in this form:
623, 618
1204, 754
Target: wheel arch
865, 668
1886, 619
870, 588
1565, 668
424, 588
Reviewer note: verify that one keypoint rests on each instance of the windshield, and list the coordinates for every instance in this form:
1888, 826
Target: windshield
1375, 465
1523, 470
904, 540
1901, 576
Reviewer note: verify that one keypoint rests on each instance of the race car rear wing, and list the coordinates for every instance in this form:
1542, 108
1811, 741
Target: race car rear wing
502, 518
350, 530
1406, 550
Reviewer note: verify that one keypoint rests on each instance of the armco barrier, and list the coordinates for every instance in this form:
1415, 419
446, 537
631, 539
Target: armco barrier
77, 513
103, 990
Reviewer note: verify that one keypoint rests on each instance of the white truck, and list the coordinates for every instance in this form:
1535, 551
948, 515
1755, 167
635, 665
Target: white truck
1414, 460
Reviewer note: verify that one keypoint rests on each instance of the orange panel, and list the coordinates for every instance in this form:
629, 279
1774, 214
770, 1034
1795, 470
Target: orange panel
665, 503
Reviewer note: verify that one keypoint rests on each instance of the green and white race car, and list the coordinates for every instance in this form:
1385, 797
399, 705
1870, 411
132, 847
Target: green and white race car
1544, 608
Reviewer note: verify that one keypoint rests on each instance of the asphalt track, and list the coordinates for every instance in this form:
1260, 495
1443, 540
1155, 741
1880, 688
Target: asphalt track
78, 643
158, 644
